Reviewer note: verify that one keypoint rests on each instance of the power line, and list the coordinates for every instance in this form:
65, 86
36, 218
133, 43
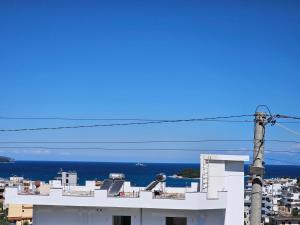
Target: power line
283, 151
280, 116
143, 149
125, 124
283, 161
144, 141
287, 129
290, 122
97, 119
124, 142
74, 119
129, 119
283, 141
123, 149
287, 117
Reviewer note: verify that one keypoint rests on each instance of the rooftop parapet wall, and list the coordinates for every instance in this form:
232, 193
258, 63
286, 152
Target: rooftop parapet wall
191, 201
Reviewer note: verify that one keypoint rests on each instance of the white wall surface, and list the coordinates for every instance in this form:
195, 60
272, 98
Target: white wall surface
216, 178
234, 173
226, 173
49, 215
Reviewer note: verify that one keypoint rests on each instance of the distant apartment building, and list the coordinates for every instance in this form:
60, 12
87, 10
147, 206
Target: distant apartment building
280, 201
284, 220
290, 199
273, 194
217, 200
68, 178
19, 213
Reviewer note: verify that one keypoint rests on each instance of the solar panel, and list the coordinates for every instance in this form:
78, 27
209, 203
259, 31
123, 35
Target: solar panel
115, 187
151, 185
106, 184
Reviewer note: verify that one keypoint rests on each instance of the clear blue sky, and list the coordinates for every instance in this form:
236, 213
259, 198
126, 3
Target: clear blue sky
146, 59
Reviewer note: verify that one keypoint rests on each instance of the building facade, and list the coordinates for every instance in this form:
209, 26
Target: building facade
19, 213
217, 200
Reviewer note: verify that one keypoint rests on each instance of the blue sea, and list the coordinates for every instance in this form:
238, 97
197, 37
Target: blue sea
138, 175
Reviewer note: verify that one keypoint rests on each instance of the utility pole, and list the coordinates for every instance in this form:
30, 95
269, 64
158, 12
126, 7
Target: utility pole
257, 168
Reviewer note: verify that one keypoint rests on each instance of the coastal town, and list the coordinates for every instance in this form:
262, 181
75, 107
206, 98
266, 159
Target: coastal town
165, 112
24, 200
115, 201
280, 201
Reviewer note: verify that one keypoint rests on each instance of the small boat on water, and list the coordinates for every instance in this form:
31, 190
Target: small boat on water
140, 164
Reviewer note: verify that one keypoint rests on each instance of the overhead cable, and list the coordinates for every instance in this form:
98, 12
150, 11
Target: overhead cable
124, 124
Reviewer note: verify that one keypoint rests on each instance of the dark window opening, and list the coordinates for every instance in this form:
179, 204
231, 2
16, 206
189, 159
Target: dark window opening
176, 221
122, 220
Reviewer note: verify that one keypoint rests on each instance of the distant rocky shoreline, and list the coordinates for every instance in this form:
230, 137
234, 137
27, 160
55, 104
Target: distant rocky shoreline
189, 173
175, 176
4, 159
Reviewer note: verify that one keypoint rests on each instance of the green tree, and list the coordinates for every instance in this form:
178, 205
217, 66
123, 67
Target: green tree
3, 220
3, 217
295, 212
189, 173
25, 222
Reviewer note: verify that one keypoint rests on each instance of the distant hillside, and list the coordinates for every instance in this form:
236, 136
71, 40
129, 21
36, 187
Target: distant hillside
4, 159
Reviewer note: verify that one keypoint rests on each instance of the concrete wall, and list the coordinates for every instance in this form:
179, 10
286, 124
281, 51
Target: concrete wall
192, 201
234, 172
49, 215
226, 173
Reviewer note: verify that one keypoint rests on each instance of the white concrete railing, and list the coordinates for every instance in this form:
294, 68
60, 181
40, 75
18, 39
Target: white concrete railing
91, 193
86, 191
78, 193
127, 195
176, 196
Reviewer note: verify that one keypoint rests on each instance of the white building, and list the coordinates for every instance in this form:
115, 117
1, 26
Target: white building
218, 200
280, 197
290, 198
273, 194
68, 178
